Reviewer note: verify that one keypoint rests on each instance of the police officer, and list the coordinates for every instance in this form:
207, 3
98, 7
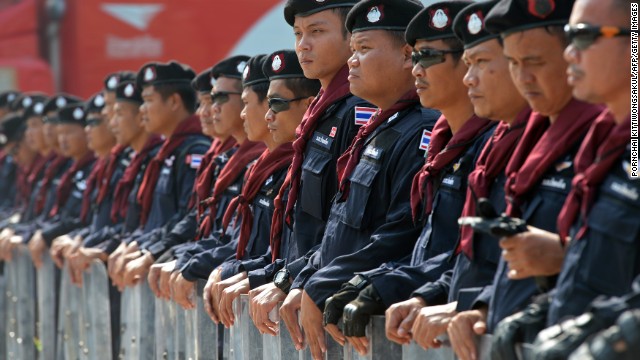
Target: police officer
589, 220
288, 98
65, 214
181, 236
370, 220
540, 170
302, 207
169, 103
438, 191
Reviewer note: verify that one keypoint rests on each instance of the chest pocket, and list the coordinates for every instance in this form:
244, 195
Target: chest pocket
313, 197
359, 193
164, 190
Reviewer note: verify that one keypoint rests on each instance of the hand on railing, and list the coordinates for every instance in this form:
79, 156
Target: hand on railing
183, 291
399, 319
208, 295
463, 330
262, 301
311, 321
37, 246
289, 312
240, 285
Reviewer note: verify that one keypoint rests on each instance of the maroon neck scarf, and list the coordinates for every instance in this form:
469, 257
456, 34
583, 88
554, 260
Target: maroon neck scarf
490, 164
542, 144
188, 127
127, 182
246, 153
444, 147
96, 175
337, 90
49, 174
204, 175
105, 179
268, 163
348, 161
27, 177
604, 144
66, 182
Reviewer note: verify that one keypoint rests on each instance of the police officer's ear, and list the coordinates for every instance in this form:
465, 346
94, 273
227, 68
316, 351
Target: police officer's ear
175, 102
406, 52
307, 102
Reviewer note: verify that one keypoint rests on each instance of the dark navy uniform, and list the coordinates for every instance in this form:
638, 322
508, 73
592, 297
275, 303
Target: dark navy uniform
8, 183
101, 224
186, 229
173, 189
607, 259
318, 186
540, 210
68, 217
374, 225
201, 265
395, 282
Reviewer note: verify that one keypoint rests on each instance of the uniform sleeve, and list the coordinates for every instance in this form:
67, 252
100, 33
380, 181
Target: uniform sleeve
435, 293
201, 265
397, 284
391, 241
184, 231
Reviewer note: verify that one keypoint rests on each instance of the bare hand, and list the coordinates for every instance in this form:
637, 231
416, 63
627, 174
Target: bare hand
210, 302
311, 320
262, 301
289, 314
463, 330
399, 319
533, 253
431, 322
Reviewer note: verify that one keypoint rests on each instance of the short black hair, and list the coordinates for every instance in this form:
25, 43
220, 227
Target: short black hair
398, 38
260, 89
342, 14
183, 89
558, 32
454, 43
302, 86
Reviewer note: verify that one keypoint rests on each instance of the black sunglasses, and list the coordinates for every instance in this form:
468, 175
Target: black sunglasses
279, 105
222, 97
584, 35
430, 57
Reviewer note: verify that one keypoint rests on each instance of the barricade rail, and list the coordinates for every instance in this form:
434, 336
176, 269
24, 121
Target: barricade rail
47, 317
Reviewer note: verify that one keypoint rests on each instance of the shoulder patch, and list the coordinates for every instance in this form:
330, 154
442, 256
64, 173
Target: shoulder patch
425, 140
363, 114
193, 160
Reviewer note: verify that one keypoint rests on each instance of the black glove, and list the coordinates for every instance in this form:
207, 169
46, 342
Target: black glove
521, 327
334, 305
357, 313
619, 342
558, 341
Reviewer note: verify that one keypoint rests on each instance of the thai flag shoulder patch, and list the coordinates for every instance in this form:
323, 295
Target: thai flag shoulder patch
194, 160
363, 114
425, 140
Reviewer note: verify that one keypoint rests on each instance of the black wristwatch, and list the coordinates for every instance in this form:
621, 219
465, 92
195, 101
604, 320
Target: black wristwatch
282, 280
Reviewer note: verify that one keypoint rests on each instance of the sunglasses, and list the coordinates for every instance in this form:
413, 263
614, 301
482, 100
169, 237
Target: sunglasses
222, 97
430, 57
279, 105
581, 36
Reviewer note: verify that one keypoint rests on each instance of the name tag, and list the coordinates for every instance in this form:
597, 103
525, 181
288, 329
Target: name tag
264, 202
451, 181
322, 140
555, 183
373, 152
624, 190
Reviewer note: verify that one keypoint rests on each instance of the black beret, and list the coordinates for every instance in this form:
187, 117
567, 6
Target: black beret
112, 80
72, 114
160, 73
253, 73
128, 91
95, 104
59, 101
282, 64
510, 16
13, 127
231, 67
23, 101
303, 8
203, 83
382, 15
37, 106
469, 24
7, 98
434, 22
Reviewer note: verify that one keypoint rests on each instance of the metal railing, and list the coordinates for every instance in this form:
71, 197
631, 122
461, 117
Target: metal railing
49, 318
